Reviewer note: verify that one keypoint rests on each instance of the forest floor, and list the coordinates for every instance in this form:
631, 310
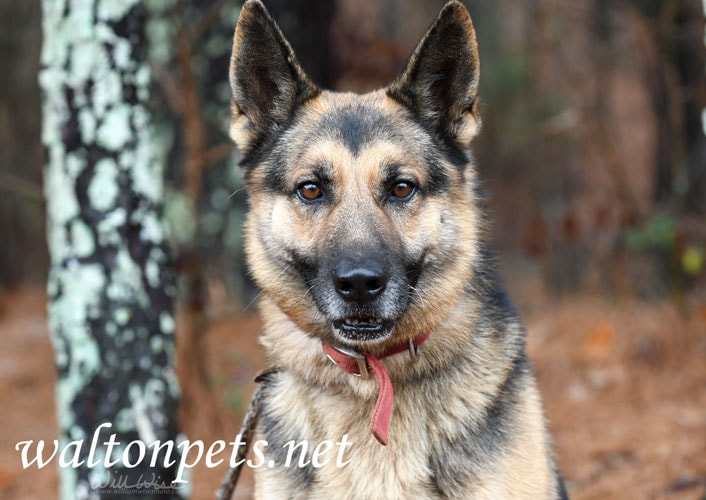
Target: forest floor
624, 385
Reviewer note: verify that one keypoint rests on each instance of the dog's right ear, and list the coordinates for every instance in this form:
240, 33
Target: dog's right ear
440, 82
267, 82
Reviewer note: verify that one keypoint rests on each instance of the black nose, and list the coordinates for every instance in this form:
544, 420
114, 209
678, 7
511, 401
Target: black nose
359, 280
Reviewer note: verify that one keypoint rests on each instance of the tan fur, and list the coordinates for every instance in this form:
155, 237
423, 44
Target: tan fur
471, 359
419, 228
320, 401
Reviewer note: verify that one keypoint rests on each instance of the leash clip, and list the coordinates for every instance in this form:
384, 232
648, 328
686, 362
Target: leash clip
359, 358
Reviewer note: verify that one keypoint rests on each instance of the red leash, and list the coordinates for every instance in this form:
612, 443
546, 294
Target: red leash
356, 363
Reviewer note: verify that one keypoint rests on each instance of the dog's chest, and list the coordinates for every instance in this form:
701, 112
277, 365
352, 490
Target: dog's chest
362, 469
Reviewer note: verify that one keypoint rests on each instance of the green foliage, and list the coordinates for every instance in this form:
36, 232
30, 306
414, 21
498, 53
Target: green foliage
658, 232
692, 260
507, 74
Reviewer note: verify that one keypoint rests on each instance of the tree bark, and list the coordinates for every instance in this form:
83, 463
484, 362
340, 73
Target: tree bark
696, 161
110, 289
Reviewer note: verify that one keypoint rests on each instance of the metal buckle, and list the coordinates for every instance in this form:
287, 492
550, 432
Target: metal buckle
413, 349
359, 358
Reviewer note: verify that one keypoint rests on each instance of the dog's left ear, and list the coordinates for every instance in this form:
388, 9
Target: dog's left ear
267, 82
440, 82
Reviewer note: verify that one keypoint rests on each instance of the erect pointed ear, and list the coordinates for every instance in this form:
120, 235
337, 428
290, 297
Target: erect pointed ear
440, 82
267, 82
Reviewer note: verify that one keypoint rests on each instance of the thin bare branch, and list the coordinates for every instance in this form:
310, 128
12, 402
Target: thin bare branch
217, 153
206, 19
20, 186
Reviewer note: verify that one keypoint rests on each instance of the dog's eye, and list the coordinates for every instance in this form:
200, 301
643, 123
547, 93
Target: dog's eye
309, 191
403, 190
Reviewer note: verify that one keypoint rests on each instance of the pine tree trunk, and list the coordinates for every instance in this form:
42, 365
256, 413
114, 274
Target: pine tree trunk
110, 286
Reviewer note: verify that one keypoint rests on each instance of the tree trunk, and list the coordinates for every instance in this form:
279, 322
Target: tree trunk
696, 161
110, 286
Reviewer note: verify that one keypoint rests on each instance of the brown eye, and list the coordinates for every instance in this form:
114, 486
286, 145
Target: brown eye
403, 189
309, 191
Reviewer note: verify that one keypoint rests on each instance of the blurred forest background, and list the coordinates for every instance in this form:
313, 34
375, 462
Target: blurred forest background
593, 152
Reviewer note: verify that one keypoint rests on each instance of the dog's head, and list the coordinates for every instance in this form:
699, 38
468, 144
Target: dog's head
363, 225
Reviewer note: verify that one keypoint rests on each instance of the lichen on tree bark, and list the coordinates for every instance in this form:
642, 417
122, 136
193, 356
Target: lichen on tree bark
110, 287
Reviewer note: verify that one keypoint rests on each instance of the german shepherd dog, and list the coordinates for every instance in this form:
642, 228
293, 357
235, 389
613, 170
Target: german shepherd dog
367, 235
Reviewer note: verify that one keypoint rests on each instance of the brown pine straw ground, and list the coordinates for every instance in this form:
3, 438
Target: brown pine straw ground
624, 384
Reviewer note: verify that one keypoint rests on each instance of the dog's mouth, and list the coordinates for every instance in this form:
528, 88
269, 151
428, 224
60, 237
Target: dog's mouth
363, 327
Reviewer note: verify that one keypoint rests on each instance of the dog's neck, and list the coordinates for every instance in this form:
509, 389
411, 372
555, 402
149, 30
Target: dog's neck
292, 349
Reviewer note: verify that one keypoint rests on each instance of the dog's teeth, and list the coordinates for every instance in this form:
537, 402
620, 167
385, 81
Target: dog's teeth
347, 321
355, 321
379, 320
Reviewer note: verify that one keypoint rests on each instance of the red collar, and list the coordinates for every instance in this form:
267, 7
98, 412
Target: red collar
358, 364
